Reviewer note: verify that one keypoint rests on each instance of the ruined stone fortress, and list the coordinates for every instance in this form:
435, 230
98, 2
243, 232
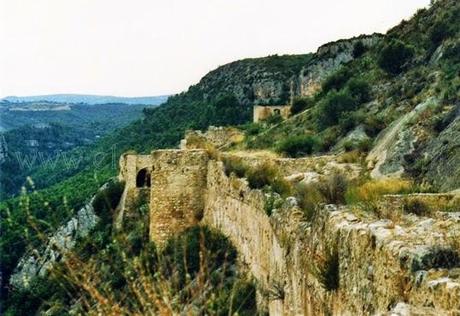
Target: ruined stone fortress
384, 268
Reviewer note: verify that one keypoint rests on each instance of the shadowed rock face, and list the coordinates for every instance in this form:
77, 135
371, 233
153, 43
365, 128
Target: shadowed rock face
443, 154
38, 262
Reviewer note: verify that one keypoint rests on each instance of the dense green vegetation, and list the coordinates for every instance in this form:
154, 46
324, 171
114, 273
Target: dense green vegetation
197, 261
92, 119
298, 146
42, 140
66, 187
379, 85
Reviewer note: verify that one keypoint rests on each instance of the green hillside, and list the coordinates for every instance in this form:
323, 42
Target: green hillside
361, 95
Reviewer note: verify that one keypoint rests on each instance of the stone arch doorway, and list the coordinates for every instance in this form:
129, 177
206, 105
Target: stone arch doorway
277, 111
143, 178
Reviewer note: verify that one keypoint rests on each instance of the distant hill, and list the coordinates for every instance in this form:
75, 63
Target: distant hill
87, 99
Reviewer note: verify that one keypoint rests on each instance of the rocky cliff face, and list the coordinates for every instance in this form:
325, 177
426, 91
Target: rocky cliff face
38, 262
253, 81
327, 60
273, 79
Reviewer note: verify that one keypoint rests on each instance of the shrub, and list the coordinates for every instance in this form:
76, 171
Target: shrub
333, 189
350, 157
372, 190
437, 258
364, 145
416, 206
243, 299
394, 56
272, 201
373, 125
348, 121
107, 199
438, 32
360, 90
300, 104
332, 107
329, 138
234, 165
336, 81
360, 146
308, 198
253, 129
266, 174
273, 119
453, 205
359, 49
297, 146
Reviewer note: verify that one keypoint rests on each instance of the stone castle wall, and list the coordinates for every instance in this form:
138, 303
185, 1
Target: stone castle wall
384, 268
130, 165
177, 193
376, 258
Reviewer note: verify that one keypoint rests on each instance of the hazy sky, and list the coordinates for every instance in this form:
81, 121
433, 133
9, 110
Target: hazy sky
152, 47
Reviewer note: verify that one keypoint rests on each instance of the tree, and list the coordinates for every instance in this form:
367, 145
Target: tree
395, 56
333, 106
359, 49
359, 89
337, 80
301, 103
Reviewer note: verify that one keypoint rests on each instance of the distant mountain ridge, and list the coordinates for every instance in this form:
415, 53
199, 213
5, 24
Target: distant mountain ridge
87, 99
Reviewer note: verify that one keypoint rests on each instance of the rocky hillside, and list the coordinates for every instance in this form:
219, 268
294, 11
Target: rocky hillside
396, 96
387, 103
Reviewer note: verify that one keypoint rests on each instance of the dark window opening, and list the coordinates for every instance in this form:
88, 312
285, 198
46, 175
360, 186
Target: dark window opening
277, 111
143, 179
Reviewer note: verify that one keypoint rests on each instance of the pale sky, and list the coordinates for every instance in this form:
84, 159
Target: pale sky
153, 47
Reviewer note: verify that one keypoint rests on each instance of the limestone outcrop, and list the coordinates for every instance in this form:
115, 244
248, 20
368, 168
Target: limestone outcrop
328, 59
38, 262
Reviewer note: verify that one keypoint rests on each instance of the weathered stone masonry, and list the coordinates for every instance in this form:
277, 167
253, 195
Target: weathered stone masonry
178, 190
376, 257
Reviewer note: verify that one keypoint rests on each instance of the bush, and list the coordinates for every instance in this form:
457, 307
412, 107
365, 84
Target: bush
372, 190
266, 175
333, 189
273, 119
373, 125
298, 146
332, 107
359, 146
301, 104
394, 56
437, 258
253, 129
234, 165
438, 32
308, 198
360, 90
416, 206
336, 81
359, 49
350, 157
107, 199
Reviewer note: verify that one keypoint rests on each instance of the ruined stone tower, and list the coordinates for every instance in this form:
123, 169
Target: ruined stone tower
173, 182
177, 193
